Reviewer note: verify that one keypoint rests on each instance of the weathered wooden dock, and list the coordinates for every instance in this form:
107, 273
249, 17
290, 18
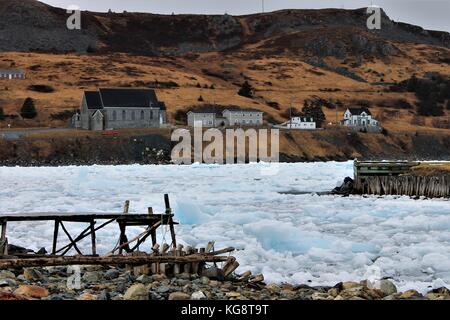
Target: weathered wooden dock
398, 178
166, 258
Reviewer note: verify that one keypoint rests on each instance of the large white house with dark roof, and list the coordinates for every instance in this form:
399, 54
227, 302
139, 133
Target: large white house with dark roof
120, 108
360, 119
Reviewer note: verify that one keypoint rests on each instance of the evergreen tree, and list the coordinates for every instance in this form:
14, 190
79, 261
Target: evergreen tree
246, 90
313, 111
411, 84
430, 106
201, 99
28, 110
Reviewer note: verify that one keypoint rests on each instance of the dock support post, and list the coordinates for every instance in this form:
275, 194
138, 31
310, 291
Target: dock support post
153, 232
55, 236
3, 240
93, 238
171, 226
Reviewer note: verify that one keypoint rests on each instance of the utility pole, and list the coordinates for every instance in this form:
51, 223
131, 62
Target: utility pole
290, 116
262, 4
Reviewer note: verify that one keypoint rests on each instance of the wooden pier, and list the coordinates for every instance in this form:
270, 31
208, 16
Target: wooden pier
400, 178
166, 258
124, 220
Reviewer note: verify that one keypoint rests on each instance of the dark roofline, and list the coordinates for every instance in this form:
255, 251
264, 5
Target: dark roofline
359, 110
242, 110
12, 71
117, 98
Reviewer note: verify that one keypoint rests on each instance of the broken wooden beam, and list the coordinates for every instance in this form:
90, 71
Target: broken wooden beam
106, 260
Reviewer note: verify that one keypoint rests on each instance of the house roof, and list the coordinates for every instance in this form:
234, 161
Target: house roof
93, 100
11, 71
218, 111
305, 119
358, 111
123, 98
207, 110
242, 110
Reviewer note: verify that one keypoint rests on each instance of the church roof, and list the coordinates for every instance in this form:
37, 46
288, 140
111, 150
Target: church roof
123, 98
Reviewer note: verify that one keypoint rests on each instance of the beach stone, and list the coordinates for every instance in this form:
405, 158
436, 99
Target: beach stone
104, 295
232, 294
136, 292
158, 277
442, 291
320, 296
91, 277
32, 274
144, 279
11, 296
7, 282
204, 280
179, 296
410, 294
162, 289
5, 274
215, 283
333, 292
213, 273
350, 284
198, 295
387, 287
184, 276
32, 291
87, 297
273, 287
111, 274
435, 296
121, 287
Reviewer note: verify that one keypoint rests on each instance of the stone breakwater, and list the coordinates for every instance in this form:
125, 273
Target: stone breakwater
99, 283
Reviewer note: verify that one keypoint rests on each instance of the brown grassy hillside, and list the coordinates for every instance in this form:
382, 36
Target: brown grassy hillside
288, 56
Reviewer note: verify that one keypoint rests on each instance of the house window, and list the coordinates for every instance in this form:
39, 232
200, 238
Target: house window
151, 114
142, 115
133, 115
124, 115
114, 115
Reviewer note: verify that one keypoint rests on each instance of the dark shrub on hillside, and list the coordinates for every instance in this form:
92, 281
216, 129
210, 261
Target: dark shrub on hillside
246, 90
63, 115
181, 116
43, 88
28, 110
2, 114
274, 105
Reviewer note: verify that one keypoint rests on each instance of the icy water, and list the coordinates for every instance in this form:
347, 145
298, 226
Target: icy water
281, 227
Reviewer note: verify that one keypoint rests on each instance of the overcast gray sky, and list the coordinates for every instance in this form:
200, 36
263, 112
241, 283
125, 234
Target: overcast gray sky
430, 14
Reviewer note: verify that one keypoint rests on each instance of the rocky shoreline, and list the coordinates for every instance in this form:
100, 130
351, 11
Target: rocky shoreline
101, 283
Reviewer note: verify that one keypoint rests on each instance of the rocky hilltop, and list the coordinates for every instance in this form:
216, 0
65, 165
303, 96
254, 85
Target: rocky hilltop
29, 25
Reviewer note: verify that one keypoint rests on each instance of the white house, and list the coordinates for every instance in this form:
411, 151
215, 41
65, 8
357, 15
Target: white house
303, 123
299, 123
12, 74
213, 117
243, 117
359, 118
